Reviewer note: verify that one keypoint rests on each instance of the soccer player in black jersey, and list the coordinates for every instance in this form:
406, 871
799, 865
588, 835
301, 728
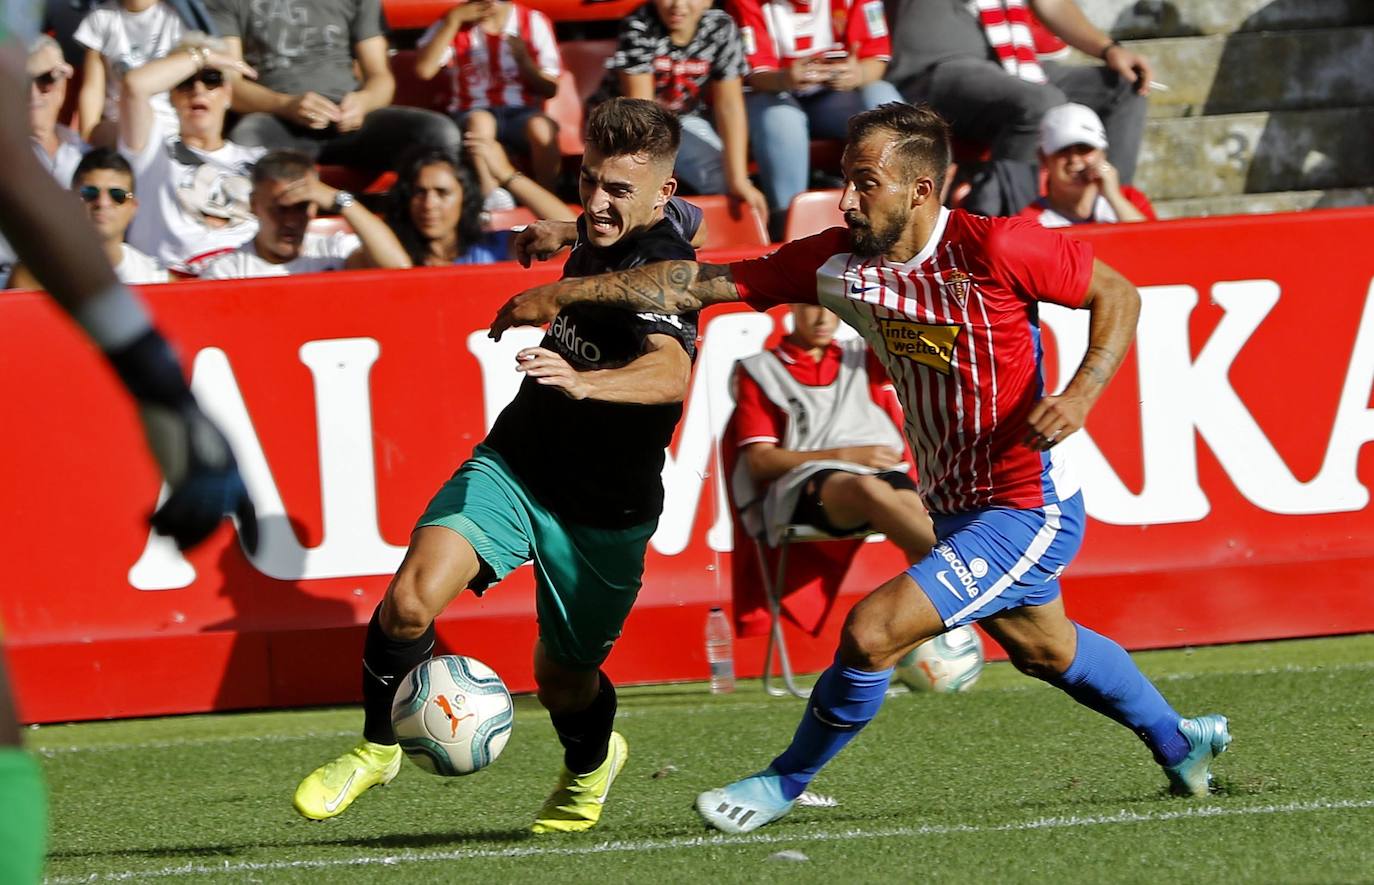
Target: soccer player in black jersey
608, 386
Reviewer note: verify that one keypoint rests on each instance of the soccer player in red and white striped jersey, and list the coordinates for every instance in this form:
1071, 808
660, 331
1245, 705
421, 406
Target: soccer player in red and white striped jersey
949, 302
506, 64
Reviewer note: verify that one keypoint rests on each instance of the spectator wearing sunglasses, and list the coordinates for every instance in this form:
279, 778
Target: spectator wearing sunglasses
193, 183
59, 149
287, 195
105, 184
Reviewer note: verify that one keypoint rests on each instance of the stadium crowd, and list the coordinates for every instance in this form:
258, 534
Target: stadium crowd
453, 142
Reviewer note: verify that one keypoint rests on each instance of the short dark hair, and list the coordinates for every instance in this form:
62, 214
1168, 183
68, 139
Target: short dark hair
104, 158
625, 126
282, 165
920, 136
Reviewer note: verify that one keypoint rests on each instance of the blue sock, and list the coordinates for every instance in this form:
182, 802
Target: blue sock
1103, 677
843, 702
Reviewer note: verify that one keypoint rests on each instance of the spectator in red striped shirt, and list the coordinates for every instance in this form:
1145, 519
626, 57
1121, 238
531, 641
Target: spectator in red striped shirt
505, 64
1081, 186
812, 65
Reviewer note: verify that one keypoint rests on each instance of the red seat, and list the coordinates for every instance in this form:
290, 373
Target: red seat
410, 14
730, 224
812, 212
358, 181
509, 219
412, 92
584, 67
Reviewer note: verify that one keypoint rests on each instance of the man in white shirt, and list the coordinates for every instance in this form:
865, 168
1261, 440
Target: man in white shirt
58, 148
193, 183
287, 194
105, 184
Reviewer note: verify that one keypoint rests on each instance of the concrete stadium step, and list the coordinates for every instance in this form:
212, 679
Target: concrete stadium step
1256, 153
1254, 204
1276, 71
1183, 18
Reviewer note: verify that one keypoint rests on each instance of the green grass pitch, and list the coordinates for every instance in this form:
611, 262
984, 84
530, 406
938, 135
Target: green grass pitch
1011, 782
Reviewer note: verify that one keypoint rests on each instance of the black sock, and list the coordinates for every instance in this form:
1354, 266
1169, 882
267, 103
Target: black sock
386, 661
586, 734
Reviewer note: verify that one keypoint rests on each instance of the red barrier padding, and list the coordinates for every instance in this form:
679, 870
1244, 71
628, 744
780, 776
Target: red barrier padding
1224, 472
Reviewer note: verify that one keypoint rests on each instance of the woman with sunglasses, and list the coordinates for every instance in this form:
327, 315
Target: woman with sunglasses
105, 184
193, 184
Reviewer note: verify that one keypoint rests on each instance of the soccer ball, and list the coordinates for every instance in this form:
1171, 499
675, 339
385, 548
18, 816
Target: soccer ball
452, 715
950, 662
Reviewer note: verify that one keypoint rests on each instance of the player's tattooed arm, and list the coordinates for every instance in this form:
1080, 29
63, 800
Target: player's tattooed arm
668, 287
1114, 306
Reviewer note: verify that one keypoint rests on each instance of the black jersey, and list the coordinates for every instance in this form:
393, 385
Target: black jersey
589, 461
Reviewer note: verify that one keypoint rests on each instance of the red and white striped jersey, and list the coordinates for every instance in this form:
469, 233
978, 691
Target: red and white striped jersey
958, 331
777, 31
484, 69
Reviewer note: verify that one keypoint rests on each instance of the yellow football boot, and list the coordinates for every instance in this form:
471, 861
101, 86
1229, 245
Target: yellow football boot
576, 803
328, 790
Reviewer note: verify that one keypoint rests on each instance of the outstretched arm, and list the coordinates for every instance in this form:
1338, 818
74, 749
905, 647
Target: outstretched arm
1113, 305
669, 287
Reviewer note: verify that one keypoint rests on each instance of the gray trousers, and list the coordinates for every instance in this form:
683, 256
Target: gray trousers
378, 144
982, 102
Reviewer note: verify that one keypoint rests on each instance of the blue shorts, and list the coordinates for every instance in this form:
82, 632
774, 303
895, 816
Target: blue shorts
999, 558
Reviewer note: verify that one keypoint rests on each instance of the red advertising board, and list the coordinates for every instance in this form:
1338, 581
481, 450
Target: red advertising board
1222, 473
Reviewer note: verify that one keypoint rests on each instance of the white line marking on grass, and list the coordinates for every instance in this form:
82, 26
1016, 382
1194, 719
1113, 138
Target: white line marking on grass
718, 841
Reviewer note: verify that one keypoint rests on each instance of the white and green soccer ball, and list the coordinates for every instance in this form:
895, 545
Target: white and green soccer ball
452, 715
950, 662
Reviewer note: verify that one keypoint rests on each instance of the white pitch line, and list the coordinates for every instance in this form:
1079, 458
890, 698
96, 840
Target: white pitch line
719, 841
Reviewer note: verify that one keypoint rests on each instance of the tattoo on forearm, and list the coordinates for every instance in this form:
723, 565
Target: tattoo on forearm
1099, 364
663, 287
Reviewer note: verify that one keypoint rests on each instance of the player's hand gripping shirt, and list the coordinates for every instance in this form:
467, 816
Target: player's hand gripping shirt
958, 331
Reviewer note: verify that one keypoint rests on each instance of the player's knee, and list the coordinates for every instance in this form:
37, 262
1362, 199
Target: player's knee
866, 642
1041, 661
406, 610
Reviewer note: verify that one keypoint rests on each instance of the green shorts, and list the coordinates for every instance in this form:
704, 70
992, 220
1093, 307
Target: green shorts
586, 579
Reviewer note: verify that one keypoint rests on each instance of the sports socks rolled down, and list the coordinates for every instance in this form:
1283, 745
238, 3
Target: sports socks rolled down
586, 734
24, 821
386, 661
843, 701
1103, 677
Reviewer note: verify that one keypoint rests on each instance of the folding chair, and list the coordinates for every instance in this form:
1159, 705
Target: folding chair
774, 582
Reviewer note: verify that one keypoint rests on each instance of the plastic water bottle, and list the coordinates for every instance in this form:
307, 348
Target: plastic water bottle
720, 652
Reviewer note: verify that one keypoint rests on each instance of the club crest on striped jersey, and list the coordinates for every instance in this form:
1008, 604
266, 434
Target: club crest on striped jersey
957, 285
923, 343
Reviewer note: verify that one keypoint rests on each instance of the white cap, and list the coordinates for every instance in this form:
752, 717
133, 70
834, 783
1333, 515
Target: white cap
1070, 124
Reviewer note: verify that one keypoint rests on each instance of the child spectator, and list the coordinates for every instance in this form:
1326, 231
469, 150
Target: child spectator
1081, 186
669, 51
505, 66
287, 195
811, 67
105, 184
120, 35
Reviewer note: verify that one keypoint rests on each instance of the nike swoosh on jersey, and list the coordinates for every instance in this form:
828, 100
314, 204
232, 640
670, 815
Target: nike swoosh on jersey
339, 796
855, 290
